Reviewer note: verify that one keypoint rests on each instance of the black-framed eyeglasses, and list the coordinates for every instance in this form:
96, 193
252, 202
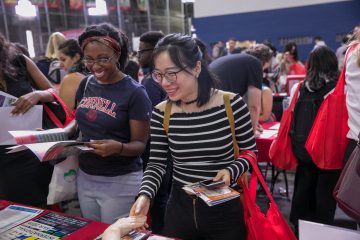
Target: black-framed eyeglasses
170, 76
144, 50
102, 60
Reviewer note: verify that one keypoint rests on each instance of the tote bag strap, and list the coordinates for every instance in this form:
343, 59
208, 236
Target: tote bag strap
167, 116
256, 175
230, 116
339, 88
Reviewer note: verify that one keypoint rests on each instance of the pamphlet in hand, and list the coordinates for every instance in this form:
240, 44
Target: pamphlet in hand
48, 144
6, 100
211, 196
30, 120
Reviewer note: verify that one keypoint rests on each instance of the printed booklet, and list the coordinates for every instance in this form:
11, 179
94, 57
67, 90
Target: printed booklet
50, 226
211, 196
48, 144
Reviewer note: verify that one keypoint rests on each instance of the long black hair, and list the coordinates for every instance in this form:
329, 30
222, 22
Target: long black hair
106, 29
294, 53
185, 53
7, 55
322, 67
71, 48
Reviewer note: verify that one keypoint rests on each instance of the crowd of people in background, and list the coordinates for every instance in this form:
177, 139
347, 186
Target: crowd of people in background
137, 156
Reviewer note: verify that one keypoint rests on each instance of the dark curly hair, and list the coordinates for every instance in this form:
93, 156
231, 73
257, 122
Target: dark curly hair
185, 53
322, 68
7, 54
71, 48
105, 29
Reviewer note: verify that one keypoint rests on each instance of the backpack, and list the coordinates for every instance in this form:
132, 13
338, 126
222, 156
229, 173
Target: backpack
55, 73
305, 111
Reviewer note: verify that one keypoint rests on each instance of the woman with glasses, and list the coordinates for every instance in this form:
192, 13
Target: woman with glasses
199, 141
113, 114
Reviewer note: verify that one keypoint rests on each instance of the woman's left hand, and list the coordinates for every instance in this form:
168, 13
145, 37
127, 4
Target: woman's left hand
223, 175
105, 148
25, 102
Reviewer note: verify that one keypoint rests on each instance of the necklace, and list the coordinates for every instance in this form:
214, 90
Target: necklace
190, 102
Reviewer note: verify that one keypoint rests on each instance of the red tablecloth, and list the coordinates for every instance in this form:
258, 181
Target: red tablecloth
263, 143
89, 232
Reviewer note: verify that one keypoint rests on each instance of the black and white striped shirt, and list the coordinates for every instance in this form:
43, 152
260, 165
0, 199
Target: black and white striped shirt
200, 144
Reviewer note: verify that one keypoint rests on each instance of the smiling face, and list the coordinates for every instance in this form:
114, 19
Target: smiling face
105, 66
185, 86
66, 61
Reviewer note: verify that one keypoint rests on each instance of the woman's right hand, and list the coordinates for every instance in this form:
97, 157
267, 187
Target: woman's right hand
25, 102
141, 206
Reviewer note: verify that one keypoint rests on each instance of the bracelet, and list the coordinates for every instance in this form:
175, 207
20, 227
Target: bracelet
122, 147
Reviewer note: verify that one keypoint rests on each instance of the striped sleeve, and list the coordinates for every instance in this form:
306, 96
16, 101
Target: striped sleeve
156, 166
244, 136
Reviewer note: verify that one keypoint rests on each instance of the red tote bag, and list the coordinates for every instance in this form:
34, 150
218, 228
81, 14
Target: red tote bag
259, 226
327, 142
280, 152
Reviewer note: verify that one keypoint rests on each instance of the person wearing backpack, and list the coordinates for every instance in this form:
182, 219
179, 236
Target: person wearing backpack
49, 65
312, 198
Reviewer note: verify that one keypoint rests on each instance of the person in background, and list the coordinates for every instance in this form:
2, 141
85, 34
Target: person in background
156, 94
218, 49
70, 56
319, 42
132, 69
23, 179
289, 64
54, 73
198, 140
312, 198
242, 73
113, 114
340, 51
264, 54
231, 46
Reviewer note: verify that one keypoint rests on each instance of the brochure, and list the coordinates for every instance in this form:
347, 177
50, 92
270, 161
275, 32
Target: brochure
14, 215
212, 196
49, 226
6, 100
47, 145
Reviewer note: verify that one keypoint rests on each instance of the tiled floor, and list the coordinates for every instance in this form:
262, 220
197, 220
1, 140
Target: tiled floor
279, 195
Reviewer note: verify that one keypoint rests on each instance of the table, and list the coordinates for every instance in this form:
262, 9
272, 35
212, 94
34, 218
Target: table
263, 144
89, 232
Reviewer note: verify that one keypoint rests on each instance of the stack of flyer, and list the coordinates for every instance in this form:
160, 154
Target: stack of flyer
213, 196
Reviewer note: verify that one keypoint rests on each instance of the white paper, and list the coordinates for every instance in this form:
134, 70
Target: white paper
6, 100
14, 215
311, 230
275, 127
31, 120
268, 133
